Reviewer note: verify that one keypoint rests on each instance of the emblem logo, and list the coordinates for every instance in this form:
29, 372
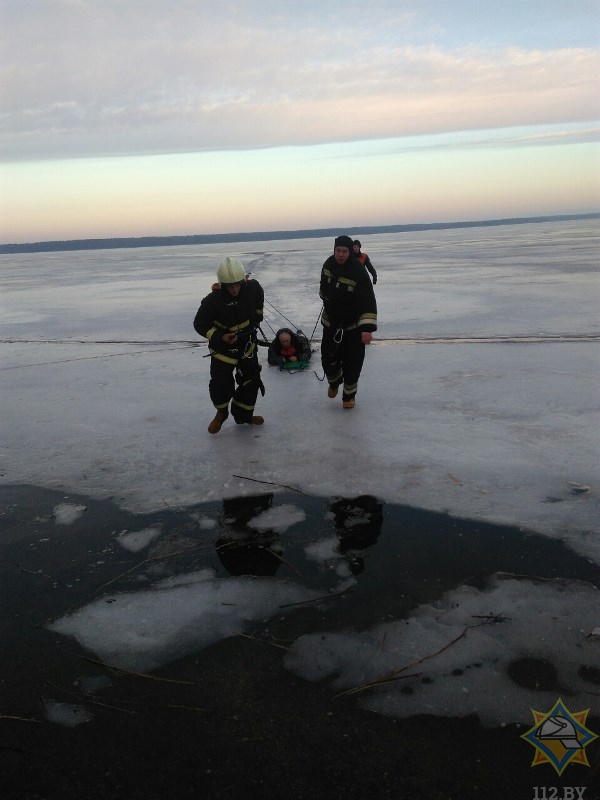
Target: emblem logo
559, 737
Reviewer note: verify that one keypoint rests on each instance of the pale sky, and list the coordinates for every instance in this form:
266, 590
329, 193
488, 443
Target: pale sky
159, 117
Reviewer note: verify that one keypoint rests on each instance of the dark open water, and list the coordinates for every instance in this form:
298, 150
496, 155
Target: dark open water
242, 725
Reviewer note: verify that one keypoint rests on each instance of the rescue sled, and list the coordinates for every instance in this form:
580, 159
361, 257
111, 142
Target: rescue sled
300, 344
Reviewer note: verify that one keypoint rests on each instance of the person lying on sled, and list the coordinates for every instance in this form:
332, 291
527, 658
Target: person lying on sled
288, 347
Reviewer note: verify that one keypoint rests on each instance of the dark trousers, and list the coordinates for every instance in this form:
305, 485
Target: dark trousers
342, 361
238, 384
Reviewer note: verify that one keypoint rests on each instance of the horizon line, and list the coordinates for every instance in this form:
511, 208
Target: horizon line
114, 242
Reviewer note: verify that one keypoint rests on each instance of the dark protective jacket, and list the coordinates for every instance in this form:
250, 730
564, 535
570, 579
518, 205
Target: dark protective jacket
348, 296
220, 313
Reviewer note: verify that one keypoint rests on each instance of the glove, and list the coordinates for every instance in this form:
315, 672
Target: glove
374, 278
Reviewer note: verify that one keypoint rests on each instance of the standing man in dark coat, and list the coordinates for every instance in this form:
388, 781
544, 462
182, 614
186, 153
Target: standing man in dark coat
349, 319
228, 317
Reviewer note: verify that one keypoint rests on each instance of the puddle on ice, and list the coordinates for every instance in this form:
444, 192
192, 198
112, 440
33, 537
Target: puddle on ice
358, 588
252, 611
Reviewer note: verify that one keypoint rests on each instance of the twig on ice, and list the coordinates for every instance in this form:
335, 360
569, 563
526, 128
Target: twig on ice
270, 483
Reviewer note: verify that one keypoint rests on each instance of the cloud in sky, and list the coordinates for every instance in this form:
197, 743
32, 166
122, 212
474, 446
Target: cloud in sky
195, 116
83, 78
420, 179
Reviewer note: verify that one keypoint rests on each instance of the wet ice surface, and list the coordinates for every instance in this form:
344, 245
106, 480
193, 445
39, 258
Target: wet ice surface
492, 623
497, 431
503, 433
491, 652
143, 630
469, 618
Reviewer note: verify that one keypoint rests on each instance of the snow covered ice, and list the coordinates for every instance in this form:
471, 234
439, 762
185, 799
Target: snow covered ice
478, 398
144, 629
490, 634
134, 541
67, 513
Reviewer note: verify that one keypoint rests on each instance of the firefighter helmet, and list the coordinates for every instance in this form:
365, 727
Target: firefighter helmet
230, 271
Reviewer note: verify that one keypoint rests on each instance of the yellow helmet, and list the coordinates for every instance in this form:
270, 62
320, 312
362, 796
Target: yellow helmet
230, 271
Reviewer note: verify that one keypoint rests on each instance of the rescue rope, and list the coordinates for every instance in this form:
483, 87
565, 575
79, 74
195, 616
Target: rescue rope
315, 328
281, 315
273, 331
394, 340
295, 327
107, 355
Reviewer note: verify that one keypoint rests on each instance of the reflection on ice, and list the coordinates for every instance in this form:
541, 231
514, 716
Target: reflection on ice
493, 646
249, 543
358, 524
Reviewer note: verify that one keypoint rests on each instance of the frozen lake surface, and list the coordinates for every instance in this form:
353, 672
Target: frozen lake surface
106, 388
478, 403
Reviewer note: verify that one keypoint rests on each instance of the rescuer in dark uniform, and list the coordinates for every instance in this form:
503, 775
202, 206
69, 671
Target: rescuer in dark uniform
228, 317
349, 318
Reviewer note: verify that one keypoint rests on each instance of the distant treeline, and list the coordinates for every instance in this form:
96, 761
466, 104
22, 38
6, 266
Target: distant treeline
314, 233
